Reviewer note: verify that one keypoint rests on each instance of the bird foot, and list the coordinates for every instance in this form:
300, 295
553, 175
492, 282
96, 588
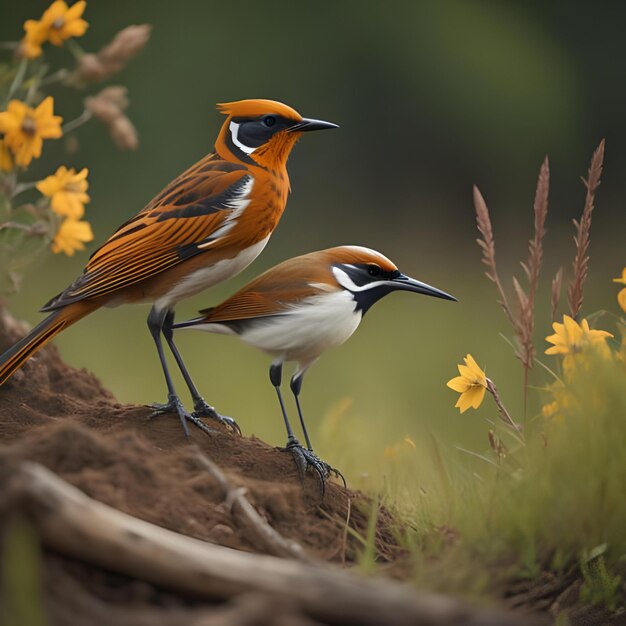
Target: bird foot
306, 459
202, 409
174, 405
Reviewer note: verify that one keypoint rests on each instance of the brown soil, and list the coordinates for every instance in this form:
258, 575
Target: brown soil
64, 419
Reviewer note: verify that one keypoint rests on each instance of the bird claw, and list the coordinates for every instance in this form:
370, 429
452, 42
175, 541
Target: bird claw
202, 409
305, 459
174, 405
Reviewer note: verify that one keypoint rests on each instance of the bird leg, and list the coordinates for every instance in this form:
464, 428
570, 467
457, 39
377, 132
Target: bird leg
296, 387
156, 319
303, 457
201, 407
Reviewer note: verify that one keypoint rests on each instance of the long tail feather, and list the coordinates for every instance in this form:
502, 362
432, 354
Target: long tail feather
44, 332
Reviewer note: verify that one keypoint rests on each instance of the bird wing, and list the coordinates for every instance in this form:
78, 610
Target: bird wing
274, 292
188, 217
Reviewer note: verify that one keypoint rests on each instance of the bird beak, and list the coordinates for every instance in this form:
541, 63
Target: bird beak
306, 125
404, 283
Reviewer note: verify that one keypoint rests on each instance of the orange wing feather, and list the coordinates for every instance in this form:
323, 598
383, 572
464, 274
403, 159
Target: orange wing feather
275, 291
166, 232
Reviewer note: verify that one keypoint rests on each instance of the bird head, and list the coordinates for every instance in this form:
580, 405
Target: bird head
262, 132
369, 276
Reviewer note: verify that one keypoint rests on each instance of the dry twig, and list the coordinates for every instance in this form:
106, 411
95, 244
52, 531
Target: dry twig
581, 260
257, 530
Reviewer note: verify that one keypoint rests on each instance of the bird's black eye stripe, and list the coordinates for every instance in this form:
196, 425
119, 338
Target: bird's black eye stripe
269, 120
374, 270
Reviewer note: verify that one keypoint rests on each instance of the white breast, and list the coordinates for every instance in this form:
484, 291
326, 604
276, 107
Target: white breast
206, 277
314, 326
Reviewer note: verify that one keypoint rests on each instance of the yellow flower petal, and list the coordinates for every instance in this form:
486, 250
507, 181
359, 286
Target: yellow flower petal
71, 236
25, 128
475, 396
66, 188
76, 10
621, 298
471, 384
459, 384
58, 23
6, 161
572, 337
621, 280
472, 398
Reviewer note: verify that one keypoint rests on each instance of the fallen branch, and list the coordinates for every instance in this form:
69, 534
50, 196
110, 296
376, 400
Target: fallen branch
257, 530
74, 525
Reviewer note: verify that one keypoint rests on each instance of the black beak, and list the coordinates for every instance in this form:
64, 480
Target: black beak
306, 125
405, 283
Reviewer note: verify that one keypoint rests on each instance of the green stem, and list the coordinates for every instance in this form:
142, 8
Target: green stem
74, 48
35, 83
55, 77
17, 80
7, 185
83, 118
22, 187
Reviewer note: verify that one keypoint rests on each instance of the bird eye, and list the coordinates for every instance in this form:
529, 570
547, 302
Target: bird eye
373, 270
269, 120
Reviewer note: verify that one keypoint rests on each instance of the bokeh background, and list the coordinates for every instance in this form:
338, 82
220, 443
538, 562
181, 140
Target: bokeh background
431, 97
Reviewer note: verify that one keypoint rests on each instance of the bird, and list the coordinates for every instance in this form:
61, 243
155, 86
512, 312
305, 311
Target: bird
302, 307
206, 226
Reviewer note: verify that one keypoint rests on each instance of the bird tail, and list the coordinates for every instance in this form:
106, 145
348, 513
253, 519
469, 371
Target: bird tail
44, 332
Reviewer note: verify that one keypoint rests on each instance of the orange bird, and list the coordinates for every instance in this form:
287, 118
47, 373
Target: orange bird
205, 227
302, 307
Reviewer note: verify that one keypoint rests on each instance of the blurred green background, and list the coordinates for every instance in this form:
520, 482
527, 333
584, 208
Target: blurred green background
431, 98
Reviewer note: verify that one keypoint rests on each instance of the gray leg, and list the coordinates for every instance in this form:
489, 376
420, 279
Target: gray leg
156, 320
201, 407
296, 387
304, 458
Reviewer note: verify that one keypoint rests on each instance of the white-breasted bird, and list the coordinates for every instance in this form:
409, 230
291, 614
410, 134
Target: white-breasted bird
300, 308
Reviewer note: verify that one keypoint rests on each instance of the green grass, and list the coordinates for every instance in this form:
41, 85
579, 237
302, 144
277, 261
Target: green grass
553, 504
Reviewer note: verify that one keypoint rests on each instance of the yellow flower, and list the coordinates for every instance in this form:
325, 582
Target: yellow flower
71, 236
621, 296
67, 190
6, 161
25, 128
471, 384
58, 23
571, 338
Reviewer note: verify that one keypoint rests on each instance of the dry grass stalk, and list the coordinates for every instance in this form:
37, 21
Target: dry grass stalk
532, 268
523, 321
581, 260
488, 248
556, 292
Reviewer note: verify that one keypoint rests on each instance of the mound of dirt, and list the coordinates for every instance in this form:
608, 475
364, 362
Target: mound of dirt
64, 419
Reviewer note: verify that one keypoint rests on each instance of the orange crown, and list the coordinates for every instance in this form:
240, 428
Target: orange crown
257, 107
